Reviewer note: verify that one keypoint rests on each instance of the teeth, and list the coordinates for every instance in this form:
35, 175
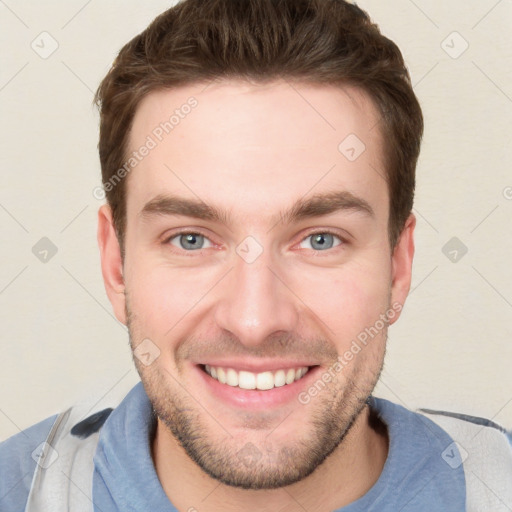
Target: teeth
279, 378
246, 380
249, 380
231, 377
265, 380
221, 375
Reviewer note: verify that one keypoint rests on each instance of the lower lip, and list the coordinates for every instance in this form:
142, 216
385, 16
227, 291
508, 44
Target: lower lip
255, 399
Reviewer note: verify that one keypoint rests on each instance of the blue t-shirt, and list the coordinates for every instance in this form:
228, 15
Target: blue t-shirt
416, 476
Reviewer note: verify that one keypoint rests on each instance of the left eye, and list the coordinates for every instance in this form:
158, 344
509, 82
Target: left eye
193, 241
322, 241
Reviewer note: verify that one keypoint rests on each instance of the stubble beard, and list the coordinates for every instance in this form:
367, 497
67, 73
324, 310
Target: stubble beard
263, 463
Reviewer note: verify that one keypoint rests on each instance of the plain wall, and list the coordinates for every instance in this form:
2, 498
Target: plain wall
452, 347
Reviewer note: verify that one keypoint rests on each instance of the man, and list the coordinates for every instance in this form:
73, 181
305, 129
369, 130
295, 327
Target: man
258, 160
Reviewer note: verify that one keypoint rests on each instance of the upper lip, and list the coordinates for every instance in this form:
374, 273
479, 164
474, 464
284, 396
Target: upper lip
260, 365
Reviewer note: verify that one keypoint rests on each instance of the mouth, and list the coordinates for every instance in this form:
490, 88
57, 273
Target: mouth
262, 381
256, 391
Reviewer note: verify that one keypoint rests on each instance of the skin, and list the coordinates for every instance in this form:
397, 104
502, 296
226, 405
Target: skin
254, 150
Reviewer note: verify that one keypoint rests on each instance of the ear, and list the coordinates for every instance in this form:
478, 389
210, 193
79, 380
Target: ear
111, 263
401, 264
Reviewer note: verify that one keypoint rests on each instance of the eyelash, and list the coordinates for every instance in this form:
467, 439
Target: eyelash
167, 240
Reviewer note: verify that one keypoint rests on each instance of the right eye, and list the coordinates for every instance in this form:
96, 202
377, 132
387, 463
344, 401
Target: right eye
189, 241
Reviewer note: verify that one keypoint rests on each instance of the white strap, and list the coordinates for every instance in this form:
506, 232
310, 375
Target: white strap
62, 481
486, 456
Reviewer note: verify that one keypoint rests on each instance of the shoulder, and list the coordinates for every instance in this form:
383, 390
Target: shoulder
50, 447
462, 453
18, 456
484, 450
481, 438
415, 476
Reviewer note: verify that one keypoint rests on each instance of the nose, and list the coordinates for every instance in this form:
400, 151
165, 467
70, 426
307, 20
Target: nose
256, 301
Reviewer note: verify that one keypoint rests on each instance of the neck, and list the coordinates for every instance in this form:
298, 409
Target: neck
346, 475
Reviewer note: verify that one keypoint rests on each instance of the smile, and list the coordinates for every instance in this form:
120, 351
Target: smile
248, 380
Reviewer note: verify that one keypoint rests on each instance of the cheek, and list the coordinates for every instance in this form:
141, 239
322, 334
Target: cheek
163, 297
347, 300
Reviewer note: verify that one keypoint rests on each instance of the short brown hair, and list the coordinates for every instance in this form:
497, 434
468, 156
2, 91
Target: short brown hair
313, 41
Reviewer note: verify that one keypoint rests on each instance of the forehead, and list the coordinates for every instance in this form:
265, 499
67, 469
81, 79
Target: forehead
253, 147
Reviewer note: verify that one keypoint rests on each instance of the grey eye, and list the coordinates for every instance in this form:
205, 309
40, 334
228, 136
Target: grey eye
322, 241
189, 241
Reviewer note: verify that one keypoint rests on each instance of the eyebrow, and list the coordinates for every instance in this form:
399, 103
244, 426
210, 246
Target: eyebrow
315, 206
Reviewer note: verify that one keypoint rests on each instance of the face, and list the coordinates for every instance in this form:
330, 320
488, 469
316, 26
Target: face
257, 245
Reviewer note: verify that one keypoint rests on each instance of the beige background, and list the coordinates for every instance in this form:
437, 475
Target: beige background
452, 348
